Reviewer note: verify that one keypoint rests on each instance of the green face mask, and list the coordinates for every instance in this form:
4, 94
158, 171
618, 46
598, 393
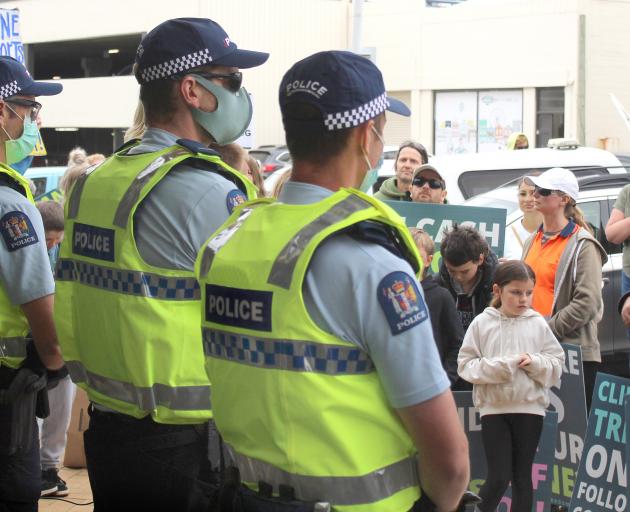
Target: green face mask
18, 149
232, 116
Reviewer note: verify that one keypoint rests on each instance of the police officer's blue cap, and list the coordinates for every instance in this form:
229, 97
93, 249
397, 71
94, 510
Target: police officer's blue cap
180, 44
16, 80
345, 87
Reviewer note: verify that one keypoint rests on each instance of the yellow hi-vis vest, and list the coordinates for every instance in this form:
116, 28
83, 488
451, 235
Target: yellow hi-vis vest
13, 324
130, 331
296, 405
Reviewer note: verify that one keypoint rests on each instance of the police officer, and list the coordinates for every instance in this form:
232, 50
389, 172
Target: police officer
26, 294
128, 311
327, 383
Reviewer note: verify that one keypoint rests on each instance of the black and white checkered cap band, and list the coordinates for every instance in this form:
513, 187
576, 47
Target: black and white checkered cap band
10, 89
358, 115
175, 66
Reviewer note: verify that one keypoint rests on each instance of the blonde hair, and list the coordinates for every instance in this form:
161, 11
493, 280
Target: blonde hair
77, 156
573, 211
71, 175
280, 184
95, 158
422, 239
257, 179
137, 129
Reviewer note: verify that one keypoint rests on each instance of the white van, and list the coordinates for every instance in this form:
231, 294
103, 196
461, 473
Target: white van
472, 174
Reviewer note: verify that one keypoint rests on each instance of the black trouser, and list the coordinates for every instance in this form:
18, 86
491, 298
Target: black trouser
143, 465
590, 373
510, 442
20, 473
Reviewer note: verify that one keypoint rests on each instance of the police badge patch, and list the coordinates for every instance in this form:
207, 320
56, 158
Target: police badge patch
401, 301
17, 231
234, 198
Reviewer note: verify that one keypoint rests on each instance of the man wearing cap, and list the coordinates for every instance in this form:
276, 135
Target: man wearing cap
329, 388
26, 294
428, 186
129, 319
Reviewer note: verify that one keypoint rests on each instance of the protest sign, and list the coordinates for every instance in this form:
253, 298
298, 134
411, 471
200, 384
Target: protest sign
248, 139
541, 468
10, 36
602, 480
568, 400
435, 218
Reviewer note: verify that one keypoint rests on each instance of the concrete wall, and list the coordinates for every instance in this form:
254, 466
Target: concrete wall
581, 45
287, 29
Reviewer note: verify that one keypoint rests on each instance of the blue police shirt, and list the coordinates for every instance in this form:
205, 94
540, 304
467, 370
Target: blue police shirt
182, 211
24, 266
373, 299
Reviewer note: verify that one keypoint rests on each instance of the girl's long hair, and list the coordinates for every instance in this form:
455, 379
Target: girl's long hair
508, 271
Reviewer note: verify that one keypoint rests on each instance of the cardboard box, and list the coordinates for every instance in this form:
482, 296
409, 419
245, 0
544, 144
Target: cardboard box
79, 421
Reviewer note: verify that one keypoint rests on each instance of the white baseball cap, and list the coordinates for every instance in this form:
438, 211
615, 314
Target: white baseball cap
557, 179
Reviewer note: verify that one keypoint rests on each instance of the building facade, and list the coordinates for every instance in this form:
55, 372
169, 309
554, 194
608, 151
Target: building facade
471, 73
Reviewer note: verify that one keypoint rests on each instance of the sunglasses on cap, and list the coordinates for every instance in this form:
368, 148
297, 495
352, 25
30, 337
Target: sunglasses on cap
233, 81
545, 192
433, 183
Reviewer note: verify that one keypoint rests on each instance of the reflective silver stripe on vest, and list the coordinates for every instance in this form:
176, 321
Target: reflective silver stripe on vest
296, 356
180, 398
13, 347
128, 282
282, 270
133, 192
75, 196
337, 490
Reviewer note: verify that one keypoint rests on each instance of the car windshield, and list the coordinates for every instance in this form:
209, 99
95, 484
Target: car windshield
489, 201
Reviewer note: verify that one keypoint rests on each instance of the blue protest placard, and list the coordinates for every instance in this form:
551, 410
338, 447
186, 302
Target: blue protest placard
568, 400
602, 480
435, 218
10, 35
542, 474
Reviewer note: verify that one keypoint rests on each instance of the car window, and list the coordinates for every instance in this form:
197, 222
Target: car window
260, 155
284, 157
40, 186
592, 211
609, 246
389, 155
473, 183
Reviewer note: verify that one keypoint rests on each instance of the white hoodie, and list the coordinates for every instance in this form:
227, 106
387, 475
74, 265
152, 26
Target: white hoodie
489, 359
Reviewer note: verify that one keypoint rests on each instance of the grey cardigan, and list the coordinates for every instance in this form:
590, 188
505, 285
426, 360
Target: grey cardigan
577, 297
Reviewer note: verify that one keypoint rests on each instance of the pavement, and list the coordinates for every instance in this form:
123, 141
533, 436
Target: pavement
80, 493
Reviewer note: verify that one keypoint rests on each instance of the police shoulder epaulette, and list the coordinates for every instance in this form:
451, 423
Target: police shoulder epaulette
196, 147
385, 236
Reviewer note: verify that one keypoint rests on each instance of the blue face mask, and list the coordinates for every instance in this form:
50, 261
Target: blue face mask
19, 149
372, 173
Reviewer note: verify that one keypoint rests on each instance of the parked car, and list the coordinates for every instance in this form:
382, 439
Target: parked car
597, 196
271, 158
45, 178
472, 174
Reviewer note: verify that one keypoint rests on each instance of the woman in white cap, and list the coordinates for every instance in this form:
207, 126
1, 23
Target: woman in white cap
567, 261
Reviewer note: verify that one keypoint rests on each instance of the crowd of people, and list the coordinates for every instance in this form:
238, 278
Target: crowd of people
248, 354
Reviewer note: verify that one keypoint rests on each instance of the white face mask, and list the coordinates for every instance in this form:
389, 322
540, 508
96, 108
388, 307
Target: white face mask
372, 173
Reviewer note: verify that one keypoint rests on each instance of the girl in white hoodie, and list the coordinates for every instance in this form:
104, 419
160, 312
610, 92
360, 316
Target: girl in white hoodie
512, 358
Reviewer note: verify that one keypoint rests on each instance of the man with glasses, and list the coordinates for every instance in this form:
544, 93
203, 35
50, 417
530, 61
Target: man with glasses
130, 313
29, 352
428, 186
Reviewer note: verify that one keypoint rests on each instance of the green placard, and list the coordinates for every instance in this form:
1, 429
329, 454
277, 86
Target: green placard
435, 218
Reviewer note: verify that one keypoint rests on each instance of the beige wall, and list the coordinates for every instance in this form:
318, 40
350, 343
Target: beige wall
287, 29
480, 44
